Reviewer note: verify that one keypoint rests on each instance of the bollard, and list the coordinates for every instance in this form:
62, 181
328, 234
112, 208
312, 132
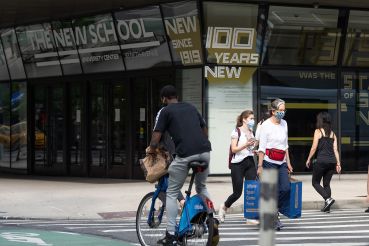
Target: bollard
268, 207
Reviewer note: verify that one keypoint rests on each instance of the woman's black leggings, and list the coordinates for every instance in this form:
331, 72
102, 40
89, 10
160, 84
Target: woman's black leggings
239, 171
325, 171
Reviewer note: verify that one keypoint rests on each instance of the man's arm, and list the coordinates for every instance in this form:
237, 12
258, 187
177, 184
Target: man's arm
205, 130
154, 143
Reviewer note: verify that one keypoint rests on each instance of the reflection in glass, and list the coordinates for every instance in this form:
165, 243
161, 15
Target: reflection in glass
306, 92
355, 120
140, 121
302, 36
119, 126
19, 125
357, 40
191, 86
183, 28
4, 75
38, 50
98, 124
66, 45
5, 145
12, 54
56, 125
41, 126
143, 39
98, 46
76, 116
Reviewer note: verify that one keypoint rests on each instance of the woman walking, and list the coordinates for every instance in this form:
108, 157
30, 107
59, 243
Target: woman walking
242, 164
273, 151
327, 159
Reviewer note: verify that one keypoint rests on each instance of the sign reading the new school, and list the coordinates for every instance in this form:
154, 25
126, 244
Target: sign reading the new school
230, 46
183, 28
143, 38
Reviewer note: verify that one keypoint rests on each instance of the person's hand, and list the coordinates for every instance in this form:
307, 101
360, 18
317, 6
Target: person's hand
338, 168
250, 142
308, 163
259, 171
150, 150
290, 168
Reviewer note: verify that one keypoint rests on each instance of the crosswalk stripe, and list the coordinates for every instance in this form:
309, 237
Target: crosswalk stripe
292, 232
295, 238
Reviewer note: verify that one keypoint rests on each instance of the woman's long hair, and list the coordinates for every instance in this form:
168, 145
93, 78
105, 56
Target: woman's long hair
242, 116
323, 120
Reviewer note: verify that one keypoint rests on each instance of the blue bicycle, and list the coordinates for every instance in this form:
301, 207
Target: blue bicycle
196, 224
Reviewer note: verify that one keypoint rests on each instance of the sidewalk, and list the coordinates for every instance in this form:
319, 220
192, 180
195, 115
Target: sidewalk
91, 198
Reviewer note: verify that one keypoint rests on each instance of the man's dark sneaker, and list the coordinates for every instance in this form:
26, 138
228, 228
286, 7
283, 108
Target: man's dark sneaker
367, 211
278, 223
169, 239
327, 205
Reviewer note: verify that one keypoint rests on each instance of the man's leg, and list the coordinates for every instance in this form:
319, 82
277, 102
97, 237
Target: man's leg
178, 171
200, 178
367, 196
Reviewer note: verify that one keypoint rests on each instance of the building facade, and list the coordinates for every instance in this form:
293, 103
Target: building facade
79, 95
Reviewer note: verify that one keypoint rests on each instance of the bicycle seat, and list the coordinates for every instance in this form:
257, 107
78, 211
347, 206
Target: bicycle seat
198, 165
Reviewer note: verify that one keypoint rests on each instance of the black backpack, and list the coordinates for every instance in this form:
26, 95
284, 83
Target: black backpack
231, 154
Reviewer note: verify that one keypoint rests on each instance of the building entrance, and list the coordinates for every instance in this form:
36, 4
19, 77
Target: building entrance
97, 128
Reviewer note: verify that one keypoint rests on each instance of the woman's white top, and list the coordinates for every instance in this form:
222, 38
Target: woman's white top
273, 136
257, 132
240, 155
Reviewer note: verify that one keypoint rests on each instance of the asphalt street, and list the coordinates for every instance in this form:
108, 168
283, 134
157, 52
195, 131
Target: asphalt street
340, 227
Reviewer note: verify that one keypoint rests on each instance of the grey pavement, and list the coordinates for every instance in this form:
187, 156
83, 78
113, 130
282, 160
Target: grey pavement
36, 197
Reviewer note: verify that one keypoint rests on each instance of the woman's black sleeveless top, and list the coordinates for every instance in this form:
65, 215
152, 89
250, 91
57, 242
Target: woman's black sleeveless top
325, 150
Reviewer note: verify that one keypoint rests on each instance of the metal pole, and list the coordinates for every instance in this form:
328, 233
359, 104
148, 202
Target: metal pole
268, 207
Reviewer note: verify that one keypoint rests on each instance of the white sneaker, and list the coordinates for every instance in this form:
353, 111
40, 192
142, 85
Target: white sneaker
252, 222
221, 213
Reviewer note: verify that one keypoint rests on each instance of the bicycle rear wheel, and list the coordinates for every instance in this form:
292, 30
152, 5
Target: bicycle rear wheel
149, 232
204, 233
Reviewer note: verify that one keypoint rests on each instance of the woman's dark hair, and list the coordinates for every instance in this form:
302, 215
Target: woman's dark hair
264, 116
168, 91
242, 116
323, 120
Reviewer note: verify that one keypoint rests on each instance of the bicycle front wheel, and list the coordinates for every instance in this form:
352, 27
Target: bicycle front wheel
151, 224
205, 232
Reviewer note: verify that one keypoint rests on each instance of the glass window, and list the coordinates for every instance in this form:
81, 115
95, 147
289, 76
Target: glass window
38, 50
357, 40
66, 45
19, 125
302, 36
5, 125
142, 36
98, 46
12, 54
306, 92
231, 35
4, 75
226, 99
355, 120
189, 82
183, 28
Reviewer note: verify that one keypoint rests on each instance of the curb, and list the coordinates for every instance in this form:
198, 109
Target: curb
315, 205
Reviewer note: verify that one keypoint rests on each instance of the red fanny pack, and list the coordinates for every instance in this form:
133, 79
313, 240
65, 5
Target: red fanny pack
275, 154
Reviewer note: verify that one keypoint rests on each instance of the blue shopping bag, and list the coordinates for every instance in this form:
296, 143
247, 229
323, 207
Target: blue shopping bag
251, 199
293, 207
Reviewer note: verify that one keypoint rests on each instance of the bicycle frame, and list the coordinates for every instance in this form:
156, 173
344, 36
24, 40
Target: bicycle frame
194, 207
160, 187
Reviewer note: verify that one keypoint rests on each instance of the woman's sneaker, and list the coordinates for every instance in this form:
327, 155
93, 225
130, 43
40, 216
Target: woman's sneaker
367, 211
252, 222
327, 205
221, 213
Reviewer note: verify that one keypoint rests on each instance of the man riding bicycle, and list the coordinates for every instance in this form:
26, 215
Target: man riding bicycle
189, 133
